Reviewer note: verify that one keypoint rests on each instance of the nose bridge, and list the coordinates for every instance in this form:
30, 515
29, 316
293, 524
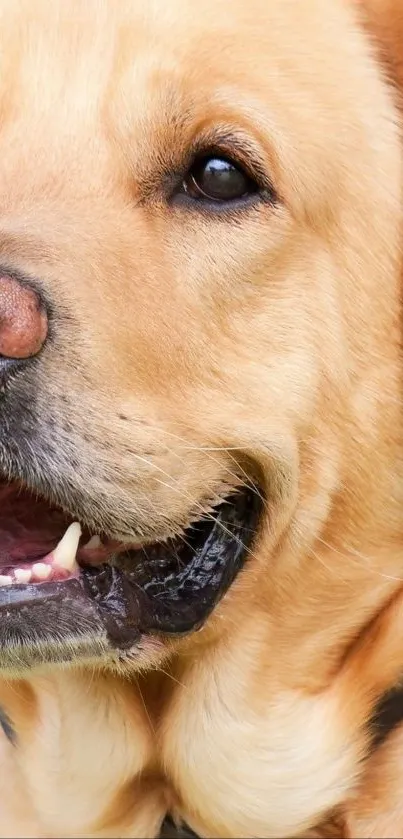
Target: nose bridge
55, 159
52, 138
57, 154
67, 226
50, 213
66, 201
59, 184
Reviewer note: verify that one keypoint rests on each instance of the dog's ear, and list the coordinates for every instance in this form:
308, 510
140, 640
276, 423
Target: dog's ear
370, 673
383, 20
377, 808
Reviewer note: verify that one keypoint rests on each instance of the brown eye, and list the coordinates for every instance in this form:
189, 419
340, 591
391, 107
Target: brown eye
218, 179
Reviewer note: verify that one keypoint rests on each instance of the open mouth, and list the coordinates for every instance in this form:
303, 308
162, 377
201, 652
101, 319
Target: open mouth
56, 577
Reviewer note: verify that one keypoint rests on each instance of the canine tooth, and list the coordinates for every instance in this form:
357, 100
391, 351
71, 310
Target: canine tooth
93, 544
64, 554
5, 580
41, 570
22, 575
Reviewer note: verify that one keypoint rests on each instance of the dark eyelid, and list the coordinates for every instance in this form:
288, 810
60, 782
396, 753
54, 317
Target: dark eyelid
235, 147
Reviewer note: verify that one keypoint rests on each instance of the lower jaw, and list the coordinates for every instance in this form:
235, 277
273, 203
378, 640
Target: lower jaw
116, 610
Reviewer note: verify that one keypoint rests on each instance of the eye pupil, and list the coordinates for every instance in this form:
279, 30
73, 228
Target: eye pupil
218, 179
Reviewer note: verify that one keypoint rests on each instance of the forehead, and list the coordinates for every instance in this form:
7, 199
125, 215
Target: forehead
93, 51
143, 76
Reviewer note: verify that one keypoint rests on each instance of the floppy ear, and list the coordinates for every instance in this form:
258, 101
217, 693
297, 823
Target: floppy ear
383, 19
377, 809
369, 689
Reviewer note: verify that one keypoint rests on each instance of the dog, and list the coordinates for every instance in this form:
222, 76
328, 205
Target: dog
201, 480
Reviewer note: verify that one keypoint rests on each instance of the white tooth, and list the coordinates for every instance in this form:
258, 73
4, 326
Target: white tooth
41, 570
22, 575
64, 555
5, 580
93, 544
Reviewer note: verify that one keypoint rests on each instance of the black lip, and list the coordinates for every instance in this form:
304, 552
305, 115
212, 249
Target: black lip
145, 593
52, 622
154, 595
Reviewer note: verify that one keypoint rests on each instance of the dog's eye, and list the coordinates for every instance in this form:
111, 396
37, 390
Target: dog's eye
213, 178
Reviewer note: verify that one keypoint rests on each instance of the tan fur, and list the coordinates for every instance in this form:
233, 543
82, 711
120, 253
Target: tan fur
271, 343
377, 808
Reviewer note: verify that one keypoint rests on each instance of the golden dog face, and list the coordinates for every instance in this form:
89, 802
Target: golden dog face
200, 225
216, 253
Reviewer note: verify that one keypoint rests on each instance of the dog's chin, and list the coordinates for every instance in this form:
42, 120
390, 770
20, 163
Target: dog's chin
67, 594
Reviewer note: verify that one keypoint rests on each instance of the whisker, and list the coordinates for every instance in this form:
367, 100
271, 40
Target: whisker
173, 678
235, 476
207, 450
249, 480
174, 487
145, 706
329, 568
352, 552
210, 517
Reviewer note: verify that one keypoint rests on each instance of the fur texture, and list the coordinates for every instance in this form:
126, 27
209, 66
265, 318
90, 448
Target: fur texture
191, 347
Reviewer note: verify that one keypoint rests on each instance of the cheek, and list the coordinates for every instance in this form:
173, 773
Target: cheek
217, 325
265, 382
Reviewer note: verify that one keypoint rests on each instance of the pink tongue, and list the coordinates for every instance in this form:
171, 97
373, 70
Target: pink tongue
29, 528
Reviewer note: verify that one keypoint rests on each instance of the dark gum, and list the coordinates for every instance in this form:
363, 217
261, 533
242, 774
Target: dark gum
151, 595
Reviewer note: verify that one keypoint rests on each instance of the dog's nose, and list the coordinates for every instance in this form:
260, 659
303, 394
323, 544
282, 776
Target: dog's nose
23, 323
